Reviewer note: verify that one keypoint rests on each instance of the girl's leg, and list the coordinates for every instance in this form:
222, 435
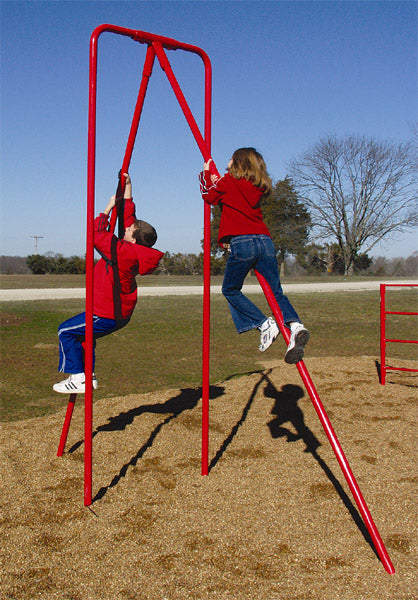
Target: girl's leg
299, 335
241, 260
267, 266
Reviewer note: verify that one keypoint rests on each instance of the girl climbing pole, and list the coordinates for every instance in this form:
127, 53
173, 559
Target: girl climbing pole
243, 232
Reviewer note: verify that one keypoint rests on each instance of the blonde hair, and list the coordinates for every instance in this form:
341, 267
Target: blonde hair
248, 164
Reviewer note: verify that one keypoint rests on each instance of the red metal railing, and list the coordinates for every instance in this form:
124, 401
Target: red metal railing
383, 339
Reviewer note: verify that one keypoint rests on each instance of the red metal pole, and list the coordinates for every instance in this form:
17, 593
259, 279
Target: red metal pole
166, 67
382, 334
146, 74
206, 286
204, 146
88, 364
66, 425
323, 417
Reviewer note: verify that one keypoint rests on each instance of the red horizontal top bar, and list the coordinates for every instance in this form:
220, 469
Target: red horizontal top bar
144, 37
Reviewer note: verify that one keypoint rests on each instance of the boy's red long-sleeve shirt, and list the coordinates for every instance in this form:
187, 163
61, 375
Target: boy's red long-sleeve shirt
115, 289
240, 203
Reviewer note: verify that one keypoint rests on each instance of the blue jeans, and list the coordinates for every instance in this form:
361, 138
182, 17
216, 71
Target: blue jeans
71, 338
253, 252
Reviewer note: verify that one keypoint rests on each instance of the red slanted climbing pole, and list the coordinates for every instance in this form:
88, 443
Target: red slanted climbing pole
326, 424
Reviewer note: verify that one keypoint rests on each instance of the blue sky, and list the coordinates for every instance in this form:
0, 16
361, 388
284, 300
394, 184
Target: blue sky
285, 74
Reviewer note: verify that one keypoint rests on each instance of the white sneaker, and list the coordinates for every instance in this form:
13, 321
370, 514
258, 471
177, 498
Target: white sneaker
299, 337
74, 384
268, 333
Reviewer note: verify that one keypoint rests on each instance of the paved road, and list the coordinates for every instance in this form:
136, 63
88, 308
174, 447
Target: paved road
291, 288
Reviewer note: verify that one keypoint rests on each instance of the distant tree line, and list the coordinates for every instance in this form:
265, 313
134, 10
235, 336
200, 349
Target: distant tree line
55, 263
317, 260
343, 197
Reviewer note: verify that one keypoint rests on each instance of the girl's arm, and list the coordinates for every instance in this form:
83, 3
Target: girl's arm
212, 187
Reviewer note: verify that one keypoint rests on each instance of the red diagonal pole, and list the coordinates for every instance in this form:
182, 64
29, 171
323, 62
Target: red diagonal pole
326, 423
66, 425
146, 74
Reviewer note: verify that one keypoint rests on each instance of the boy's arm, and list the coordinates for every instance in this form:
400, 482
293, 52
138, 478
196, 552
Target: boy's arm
103, 237
129, 213
110, 205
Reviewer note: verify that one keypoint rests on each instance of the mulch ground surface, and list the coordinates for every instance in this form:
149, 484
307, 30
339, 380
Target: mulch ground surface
274, 519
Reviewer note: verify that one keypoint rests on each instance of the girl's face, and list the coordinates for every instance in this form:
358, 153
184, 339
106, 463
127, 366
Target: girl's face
231, 162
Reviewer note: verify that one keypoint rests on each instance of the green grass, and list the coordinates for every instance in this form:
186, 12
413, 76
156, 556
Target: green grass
161, 346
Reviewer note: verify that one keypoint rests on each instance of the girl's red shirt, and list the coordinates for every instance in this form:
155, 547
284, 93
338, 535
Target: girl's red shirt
115, 288
240, 203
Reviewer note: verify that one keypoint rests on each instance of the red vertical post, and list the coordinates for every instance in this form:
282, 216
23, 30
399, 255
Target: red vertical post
88, 355
206, 286
326, 423
382, 334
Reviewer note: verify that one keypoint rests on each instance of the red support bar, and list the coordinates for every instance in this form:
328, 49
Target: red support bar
66, 426
146, 74
383, 339
166, 67
326, 423
382, 334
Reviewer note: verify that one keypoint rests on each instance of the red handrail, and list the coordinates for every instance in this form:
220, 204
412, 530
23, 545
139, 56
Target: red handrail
383, 339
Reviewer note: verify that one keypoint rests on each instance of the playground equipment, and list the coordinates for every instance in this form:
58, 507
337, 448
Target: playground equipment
383, 339
156, 48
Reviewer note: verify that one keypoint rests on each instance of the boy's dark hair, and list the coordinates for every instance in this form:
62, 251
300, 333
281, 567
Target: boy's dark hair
144, 233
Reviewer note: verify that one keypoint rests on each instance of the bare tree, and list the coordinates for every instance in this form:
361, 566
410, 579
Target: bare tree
358, 190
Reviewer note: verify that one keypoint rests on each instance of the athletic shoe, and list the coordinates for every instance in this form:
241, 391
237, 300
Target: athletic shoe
75, 384
299, 337
268, 333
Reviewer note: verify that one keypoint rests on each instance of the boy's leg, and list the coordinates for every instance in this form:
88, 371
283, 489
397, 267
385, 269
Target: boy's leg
70, 336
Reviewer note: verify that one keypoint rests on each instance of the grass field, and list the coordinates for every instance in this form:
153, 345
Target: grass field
161, 346
78, 281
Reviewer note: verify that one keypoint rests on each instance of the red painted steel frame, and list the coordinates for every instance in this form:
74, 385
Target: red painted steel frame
156, 45
66, 426
323, 417
383, 340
